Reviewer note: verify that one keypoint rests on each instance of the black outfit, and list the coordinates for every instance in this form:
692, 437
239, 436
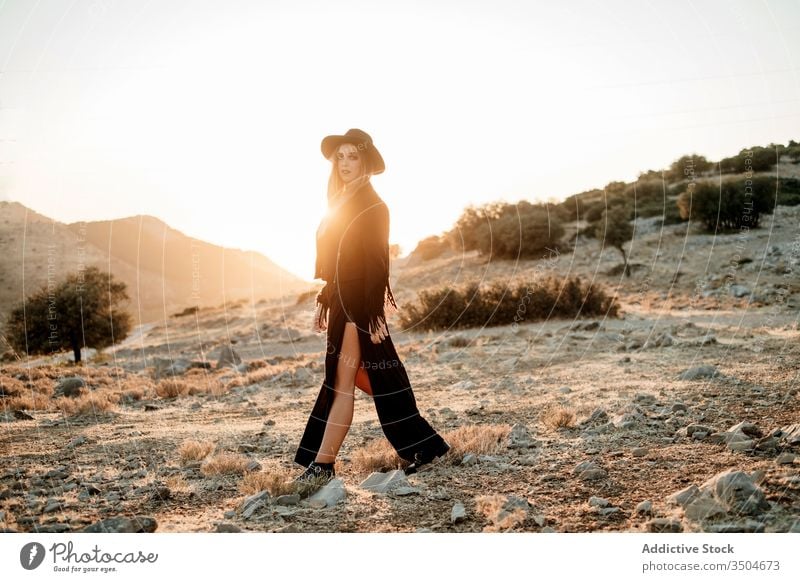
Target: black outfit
353, 259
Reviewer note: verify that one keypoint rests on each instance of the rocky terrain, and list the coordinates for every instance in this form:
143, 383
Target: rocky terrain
680, 415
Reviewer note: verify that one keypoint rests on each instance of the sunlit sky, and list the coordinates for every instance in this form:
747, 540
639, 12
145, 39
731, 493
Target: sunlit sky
209, 115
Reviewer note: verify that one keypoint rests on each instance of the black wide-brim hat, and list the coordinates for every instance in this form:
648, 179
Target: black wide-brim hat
363, 143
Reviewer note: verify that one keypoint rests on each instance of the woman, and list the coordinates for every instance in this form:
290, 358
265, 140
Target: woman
353, 259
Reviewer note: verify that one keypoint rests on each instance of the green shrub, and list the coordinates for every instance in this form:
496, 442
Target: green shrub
727, 204
473, 305
757, 159
509, 231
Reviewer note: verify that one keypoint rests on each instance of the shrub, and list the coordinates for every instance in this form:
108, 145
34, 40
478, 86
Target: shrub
614, 229
473, 305
727, 204
430, 247
508, 231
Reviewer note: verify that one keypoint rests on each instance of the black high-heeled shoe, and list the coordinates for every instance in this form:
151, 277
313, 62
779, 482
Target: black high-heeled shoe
425, 461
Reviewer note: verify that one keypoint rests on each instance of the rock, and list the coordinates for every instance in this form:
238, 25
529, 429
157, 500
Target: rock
160, 493
684, 496
228, 528
639, 451
519, 437
644, 508
698, 372
403, 491
598, 502
703, 508
597, 416
137, 524
76, 442
628, 417
593, 474
737, 492
746, 445
53, 528
252, 465
384, 482
785, 459
331, 493
469, 459
253, 503
739, 291
664, 525
565, 390
228, 357
458, 513
693, 428
463, 385
679, 407
165, 367
292, 499
747, 430
71, 387
791, 434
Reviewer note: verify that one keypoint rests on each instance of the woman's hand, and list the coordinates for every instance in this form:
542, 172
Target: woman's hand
379, 334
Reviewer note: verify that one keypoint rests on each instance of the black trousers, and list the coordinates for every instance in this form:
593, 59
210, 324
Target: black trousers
406, 430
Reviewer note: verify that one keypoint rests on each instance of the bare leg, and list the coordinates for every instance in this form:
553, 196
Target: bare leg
341, 414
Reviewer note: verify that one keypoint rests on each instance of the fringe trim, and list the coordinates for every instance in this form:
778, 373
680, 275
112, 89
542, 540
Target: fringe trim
323, 302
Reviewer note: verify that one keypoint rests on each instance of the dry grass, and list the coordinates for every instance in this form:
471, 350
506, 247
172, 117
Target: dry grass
378, 455
559, 417
224, 464
478, 439
88, 403
191, 450
178, 484
493, 508
11, 386
30, 401
277, 481
171, 388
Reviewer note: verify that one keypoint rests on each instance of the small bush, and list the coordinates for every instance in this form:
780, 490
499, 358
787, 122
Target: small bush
192, 450
559, 417
224, 464
473, 305
170, 388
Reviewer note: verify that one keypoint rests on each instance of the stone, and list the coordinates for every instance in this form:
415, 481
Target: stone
458, 513
785, 459
684, 496
464, 385
699, 372
228, 357
737, 493
739, 291
639, 451
469, 459
703, 508
791, 434
519, 437
137, 524
166, 367
292, 499
403, 491
383, 482
595, 501
228, 528
254, 502
331, 493
644, 508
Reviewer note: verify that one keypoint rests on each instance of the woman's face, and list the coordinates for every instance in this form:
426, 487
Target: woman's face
348, 162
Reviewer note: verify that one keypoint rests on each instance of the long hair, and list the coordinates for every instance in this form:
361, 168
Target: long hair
336, 186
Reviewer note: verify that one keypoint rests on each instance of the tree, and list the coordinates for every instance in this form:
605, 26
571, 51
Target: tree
615, 229
80, 311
